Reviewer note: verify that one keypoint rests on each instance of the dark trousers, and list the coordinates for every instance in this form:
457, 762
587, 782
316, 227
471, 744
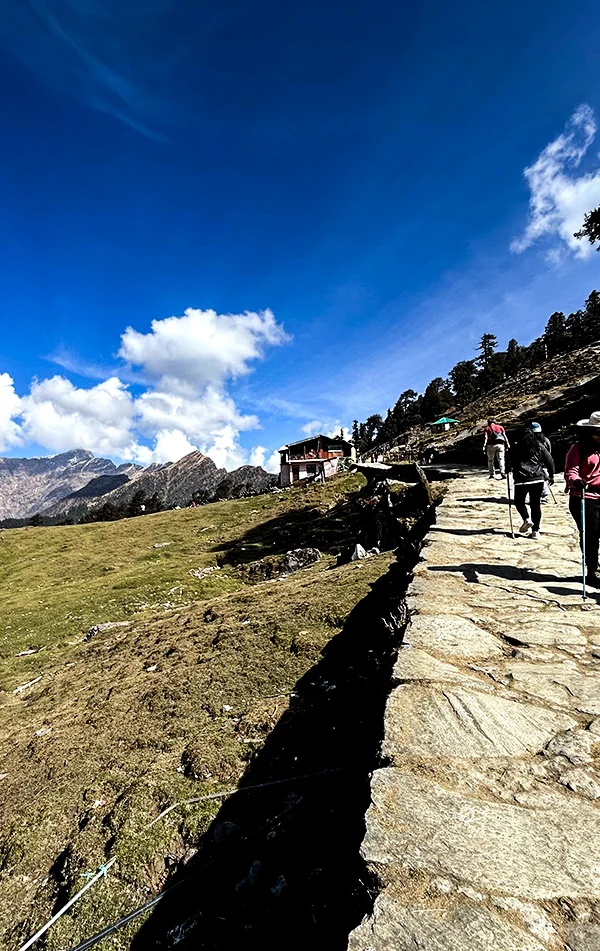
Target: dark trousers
592, 528
534, 490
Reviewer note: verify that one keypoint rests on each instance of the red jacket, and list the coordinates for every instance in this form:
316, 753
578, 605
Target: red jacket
586, 468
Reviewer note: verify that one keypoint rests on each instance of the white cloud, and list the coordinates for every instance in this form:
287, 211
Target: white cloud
330, 428
171, 445
187, 363
10, 407
258, 457
559, 198
60, 416
202, 348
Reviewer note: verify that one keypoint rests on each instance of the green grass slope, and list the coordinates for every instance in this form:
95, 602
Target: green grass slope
169, 707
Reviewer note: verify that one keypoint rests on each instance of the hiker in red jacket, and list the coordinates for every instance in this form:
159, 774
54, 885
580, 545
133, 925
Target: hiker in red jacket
495, 442
582, 475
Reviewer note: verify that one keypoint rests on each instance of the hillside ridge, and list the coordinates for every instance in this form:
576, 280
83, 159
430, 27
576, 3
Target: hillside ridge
71, 484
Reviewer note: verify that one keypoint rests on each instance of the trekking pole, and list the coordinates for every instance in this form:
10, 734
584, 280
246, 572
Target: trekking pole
583, 564
552, 494
512, 531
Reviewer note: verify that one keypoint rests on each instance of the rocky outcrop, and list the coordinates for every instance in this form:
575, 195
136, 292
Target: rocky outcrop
174, 483
484, 821
28, 486
80, 501
245, 481
279, 566
195, 477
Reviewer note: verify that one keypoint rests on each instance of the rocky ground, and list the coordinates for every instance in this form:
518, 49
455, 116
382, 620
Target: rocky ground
484, 825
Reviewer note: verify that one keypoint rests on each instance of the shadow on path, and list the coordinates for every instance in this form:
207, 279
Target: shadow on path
469, 531
502, 500
507, 572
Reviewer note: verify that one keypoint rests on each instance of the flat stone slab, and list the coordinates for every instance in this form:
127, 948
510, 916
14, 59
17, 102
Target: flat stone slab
449, 721
452, 636
540, 633
561, 684
467, 927
530, 853
584, 937
417, 664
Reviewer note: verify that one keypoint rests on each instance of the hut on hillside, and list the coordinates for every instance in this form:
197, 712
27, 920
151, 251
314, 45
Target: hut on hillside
443, 424
316, 457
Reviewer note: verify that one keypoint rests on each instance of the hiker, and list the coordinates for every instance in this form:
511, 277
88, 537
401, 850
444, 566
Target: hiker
495, 442
528, 460
582, 470
537, 429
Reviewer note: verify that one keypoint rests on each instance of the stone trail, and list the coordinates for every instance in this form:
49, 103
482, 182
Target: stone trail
484, 824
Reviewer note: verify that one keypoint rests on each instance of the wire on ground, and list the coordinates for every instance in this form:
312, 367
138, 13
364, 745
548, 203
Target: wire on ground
101, 873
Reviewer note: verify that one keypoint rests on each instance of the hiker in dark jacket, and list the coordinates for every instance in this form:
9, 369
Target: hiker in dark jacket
529, 459
582, 475
537, 429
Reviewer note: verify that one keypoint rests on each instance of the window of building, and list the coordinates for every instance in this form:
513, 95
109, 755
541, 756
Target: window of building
311, 470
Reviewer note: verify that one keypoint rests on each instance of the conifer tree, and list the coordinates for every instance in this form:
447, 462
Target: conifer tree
514, 358
556, 334
591, 227
592, 317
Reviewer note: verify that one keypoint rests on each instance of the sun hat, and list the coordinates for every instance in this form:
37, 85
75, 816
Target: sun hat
535, 427
593, 421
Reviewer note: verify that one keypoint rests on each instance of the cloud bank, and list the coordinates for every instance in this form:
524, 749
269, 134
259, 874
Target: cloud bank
187, 363
559, 197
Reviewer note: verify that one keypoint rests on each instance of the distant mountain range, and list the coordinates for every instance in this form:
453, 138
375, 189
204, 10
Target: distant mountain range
69, 485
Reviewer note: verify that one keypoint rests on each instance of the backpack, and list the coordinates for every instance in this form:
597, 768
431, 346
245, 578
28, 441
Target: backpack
494, 437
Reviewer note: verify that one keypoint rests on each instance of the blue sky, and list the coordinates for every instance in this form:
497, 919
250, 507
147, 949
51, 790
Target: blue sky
318, 205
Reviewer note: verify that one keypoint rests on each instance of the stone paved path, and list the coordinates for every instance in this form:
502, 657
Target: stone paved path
484, 826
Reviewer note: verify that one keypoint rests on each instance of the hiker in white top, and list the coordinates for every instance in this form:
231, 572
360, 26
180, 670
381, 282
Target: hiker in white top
495, 441
528, 460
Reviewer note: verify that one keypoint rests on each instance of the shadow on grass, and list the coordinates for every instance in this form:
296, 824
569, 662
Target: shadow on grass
329, 531
281, 867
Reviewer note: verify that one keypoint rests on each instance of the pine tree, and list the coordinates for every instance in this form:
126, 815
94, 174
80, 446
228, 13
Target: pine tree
490, 369
464, 381
591, 227
436, 399
514, 358
487, 347
592, 317
535, 353
556, 334
576, 329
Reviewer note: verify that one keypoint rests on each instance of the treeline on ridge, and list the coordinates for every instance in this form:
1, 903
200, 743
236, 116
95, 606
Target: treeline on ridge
470, 379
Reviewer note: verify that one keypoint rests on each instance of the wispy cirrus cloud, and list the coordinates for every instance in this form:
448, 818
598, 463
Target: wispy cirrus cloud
94, 51
559, 197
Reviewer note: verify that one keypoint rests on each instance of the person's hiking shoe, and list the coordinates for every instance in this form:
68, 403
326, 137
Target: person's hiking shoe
535, 534
525, 526
491, 478
592, 581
